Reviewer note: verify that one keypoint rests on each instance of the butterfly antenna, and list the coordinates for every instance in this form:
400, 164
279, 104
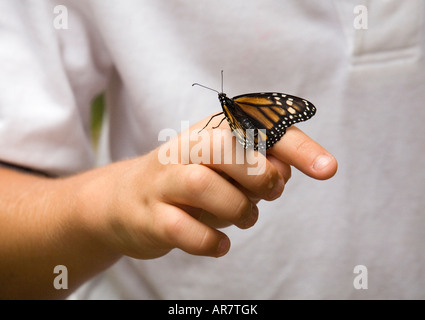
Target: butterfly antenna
222, 86
201, 85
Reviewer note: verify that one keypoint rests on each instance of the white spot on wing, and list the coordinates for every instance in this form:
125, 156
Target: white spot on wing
292, 110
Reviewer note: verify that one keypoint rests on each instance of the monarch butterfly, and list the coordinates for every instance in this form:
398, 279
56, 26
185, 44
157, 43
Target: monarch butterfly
259, 120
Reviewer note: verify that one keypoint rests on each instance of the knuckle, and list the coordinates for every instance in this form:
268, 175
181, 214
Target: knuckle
173, 226
265, 182
178, 232
243, 209
304, 145
197, 179
204, 243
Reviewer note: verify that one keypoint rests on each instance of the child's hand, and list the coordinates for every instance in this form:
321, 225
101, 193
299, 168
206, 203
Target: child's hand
143, 208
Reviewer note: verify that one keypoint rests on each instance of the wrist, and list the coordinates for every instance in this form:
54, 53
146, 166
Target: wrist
91, 205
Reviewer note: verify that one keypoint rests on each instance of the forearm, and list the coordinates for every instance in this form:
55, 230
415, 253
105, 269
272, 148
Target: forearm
41, 226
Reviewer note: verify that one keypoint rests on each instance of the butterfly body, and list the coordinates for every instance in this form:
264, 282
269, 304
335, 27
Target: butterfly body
259, 120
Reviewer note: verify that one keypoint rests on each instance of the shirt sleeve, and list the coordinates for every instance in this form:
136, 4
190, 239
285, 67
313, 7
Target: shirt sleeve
48, 78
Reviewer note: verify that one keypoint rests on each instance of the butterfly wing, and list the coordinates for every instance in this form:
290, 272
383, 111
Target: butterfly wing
270, 111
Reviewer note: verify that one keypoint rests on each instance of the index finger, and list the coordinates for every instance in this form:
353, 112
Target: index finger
299, 150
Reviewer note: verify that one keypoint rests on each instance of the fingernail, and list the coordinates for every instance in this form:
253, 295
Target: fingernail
254, 215
252, 219
223, 246
321, 162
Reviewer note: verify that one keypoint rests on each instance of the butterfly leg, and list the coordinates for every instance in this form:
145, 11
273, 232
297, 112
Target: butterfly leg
219, 123
210, 121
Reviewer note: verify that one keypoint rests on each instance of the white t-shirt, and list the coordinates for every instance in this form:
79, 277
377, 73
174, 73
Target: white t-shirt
367, 84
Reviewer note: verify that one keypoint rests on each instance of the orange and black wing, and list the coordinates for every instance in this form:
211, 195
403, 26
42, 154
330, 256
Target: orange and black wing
259, 120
